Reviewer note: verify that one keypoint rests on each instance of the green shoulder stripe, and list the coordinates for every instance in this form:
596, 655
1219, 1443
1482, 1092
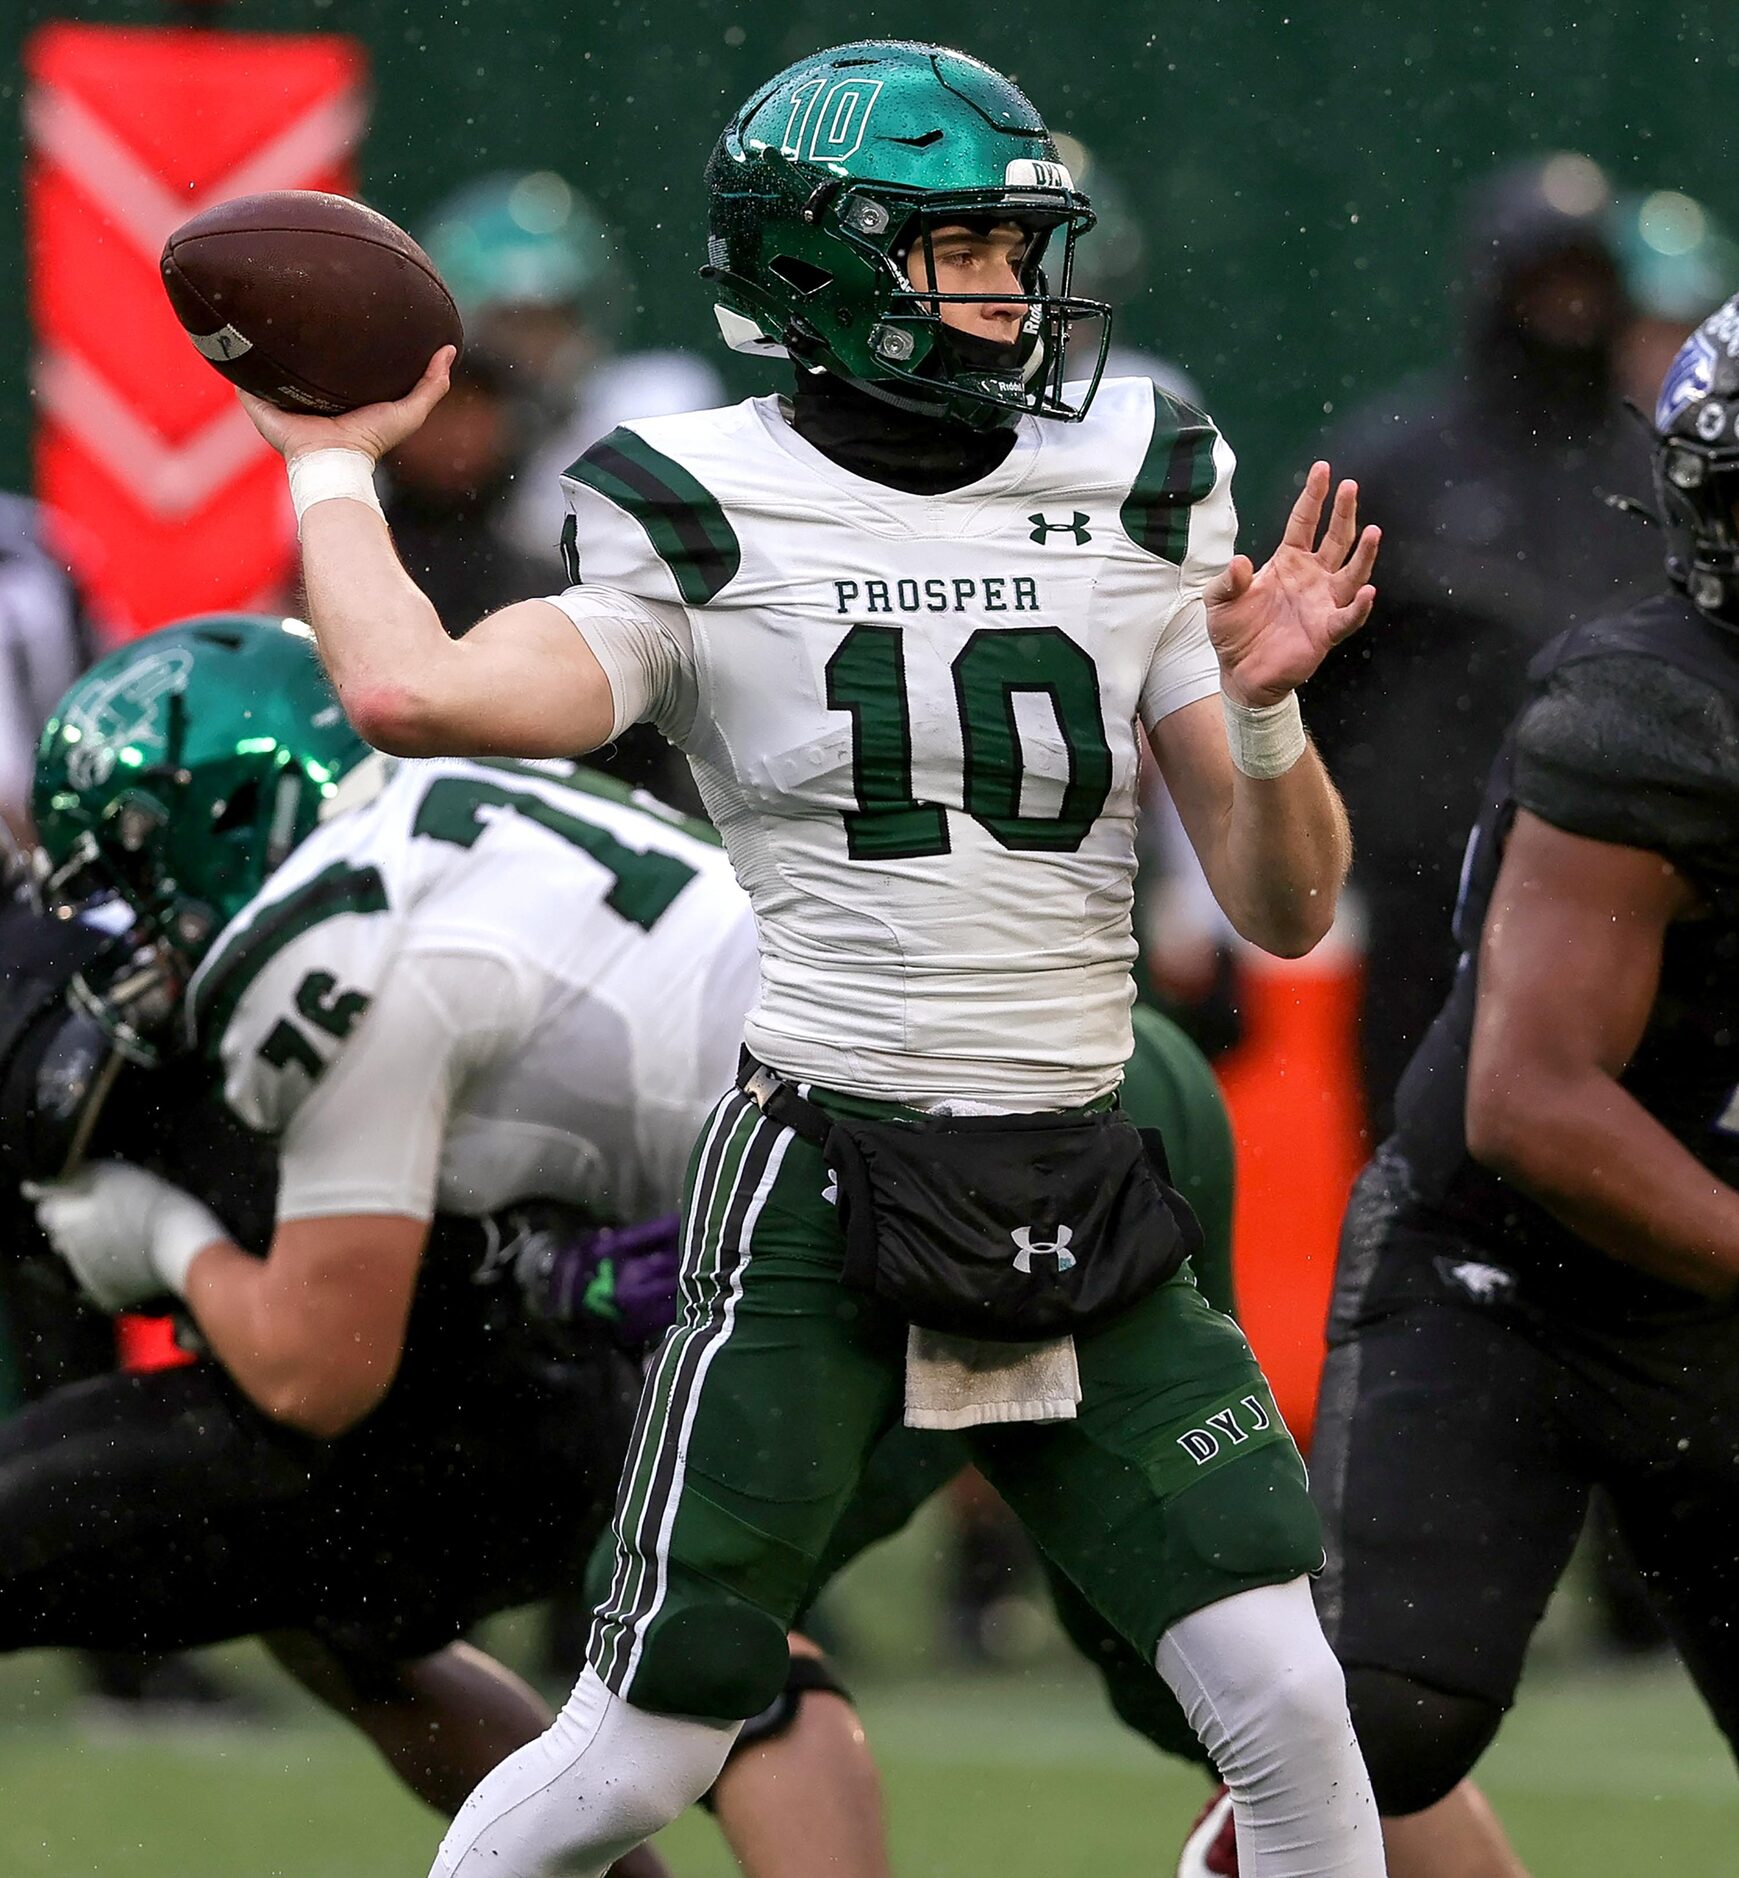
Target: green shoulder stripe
682, 519
337, 889
1176, 473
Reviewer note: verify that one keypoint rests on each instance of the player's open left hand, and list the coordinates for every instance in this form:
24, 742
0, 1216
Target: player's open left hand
1272, 626
374, 428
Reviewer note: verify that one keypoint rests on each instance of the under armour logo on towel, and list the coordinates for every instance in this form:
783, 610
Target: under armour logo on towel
1027, 1248
1076, 526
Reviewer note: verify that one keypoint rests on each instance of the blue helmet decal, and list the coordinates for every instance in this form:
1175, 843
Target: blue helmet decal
1688, 380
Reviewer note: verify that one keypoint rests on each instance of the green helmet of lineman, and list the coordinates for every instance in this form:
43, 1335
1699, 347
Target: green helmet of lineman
836, 172
181, 770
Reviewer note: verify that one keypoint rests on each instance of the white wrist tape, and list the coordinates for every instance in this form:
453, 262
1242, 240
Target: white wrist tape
319, 475
183, 1228
1265, 739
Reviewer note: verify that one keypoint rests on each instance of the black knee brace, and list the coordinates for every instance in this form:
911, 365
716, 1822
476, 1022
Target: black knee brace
808, 1675
1417, 1741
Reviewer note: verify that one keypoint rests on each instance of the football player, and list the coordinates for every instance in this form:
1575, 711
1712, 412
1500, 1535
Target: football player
907, 626
440, 986
1538, 1272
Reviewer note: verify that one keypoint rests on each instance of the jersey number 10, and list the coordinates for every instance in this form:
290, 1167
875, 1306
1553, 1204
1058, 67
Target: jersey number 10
867, 677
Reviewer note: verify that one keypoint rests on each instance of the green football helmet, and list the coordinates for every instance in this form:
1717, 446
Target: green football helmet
832, 174
174, 777
530, 239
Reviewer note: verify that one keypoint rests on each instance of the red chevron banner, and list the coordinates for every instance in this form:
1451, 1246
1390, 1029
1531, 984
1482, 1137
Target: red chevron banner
130, 131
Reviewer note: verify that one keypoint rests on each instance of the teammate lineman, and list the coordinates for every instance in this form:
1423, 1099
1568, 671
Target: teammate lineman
904, 627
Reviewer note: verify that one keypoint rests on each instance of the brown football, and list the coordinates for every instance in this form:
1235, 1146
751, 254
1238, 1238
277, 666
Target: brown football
308, 299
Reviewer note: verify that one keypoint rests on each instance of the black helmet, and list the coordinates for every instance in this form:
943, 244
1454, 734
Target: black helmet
57, 1065
1696, 465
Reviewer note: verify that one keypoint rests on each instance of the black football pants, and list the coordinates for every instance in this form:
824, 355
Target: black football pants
1460, 1433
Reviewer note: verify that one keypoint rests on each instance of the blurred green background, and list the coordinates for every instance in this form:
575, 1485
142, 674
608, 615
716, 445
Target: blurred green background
1297, 168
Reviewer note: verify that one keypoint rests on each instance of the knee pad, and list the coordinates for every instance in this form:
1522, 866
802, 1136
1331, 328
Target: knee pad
808, 1675
708, 1652
1418, 1742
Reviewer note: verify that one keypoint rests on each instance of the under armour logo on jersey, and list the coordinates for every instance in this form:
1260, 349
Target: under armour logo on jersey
1076, 526
1027, 1248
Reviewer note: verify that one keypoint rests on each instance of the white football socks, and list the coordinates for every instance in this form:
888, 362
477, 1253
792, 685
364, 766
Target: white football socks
1268, 1701
602, 1779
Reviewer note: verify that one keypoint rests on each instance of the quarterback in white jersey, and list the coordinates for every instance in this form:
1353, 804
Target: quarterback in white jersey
906, 625
946, 696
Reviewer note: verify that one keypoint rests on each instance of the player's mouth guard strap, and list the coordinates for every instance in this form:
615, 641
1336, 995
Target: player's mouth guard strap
1265, 739
320, 475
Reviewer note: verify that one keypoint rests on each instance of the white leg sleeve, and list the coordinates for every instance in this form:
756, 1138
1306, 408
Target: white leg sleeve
601, 1779
1264, 1693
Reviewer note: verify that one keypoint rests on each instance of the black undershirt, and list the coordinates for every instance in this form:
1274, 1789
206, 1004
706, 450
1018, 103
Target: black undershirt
922, 454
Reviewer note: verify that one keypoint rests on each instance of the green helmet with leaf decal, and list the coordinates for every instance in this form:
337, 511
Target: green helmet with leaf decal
831, 175
176, 775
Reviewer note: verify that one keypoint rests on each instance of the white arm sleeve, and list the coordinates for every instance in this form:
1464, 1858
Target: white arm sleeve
645, 648
368, 1139
1185, 666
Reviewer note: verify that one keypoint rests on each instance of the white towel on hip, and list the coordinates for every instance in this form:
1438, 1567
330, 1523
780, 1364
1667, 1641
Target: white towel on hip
965, 1382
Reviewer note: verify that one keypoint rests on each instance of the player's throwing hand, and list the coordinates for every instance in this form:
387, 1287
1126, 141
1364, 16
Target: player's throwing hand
1273, 626
372, 428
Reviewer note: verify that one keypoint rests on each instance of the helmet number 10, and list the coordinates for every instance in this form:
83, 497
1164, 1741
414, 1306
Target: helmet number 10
867, 677
828, 119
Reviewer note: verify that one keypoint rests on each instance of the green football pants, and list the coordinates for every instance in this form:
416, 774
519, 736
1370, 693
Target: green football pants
1168, 1086
1175, 1486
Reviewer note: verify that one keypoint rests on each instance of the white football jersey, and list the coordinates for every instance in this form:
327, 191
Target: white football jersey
915, 719
491, 982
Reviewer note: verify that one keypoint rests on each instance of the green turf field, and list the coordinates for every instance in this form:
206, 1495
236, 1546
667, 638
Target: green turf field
1021, 1776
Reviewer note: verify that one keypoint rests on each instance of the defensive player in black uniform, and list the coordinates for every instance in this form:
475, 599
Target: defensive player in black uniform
1538, 1271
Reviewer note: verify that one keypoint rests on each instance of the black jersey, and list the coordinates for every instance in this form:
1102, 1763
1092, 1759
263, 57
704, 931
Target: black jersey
1630, 735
